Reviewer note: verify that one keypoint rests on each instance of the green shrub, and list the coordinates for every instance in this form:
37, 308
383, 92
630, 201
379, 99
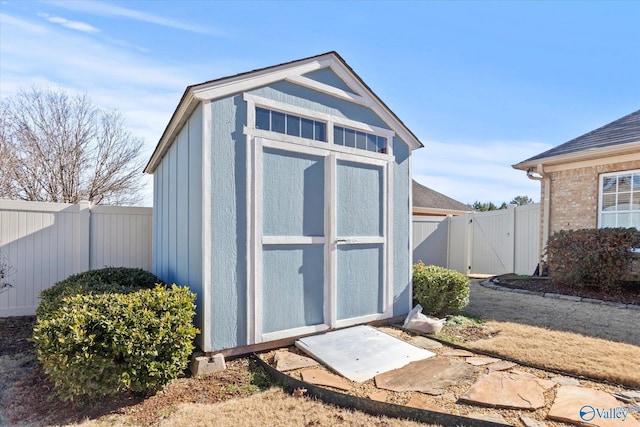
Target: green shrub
101, 344
120, 280
439, 290
590, 257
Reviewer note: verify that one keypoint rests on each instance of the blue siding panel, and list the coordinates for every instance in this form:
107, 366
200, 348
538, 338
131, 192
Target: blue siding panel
228, 237
293, 197
401, 227
360, 280
359, 199
293, 286
327, 76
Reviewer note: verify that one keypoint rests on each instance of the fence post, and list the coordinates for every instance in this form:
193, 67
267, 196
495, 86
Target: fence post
468, 242
81, 260
511, 211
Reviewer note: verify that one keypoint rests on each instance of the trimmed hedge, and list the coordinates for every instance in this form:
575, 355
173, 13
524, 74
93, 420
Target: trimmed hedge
123, 339
439, 290
121, 280
590, 257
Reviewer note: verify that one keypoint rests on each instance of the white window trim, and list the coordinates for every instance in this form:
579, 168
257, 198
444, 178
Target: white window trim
254, 101
601, 192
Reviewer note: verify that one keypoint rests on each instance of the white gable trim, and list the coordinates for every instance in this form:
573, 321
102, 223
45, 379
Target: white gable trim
292, 72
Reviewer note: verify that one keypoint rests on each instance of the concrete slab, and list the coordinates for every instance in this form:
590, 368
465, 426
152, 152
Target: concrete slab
580, 405
429, 376
320, 377
480, 361
288, 361
361, 352
420, 401
511, 390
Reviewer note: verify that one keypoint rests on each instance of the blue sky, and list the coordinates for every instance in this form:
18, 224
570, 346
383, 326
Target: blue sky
483, 85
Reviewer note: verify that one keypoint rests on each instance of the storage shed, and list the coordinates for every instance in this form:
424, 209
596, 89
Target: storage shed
282, 198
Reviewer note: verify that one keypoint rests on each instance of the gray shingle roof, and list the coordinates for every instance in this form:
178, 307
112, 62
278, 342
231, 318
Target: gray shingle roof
622, 131
424, 197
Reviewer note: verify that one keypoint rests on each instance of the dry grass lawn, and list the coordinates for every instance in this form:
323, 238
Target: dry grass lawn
271, 407
565, 351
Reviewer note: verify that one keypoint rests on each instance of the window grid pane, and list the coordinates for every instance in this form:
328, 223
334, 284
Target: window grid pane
620, 200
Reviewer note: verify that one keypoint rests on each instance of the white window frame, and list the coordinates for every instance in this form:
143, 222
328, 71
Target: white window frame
601, 196
254, 101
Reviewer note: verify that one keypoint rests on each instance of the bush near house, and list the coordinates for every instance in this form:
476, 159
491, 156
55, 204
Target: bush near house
113, 335
591, 257
439, 290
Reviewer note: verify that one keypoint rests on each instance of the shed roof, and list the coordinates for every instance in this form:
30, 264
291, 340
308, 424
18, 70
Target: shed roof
620, 134
293, 72
424, 197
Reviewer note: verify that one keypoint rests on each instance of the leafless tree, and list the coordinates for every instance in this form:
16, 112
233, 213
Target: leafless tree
61, 148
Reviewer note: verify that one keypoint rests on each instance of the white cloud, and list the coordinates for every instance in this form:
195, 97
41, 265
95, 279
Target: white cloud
106, 9
21, 24
73, 25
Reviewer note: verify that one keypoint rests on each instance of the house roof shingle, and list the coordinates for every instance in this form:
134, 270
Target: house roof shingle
622, 131
424, 197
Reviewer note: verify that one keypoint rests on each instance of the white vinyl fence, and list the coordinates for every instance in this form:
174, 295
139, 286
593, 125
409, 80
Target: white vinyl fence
43, 243
494, 242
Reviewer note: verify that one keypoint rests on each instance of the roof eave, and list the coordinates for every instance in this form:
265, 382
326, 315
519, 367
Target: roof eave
594, 153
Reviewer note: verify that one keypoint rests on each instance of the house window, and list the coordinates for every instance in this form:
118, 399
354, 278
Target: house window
290, 124
357, 139
620, 199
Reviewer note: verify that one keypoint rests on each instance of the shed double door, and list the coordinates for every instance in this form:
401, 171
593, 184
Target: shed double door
321, 245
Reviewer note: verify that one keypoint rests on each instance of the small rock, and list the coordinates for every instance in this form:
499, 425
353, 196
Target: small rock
628, 396
566, 381
451, 397
530, 422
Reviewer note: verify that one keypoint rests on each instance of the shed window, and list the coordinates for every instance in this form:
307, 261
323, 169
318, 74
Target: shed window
290, 124
620, 199
357, 139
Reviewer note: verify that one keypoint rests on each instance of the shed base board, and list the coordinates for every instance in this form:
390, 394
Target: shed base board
285, 342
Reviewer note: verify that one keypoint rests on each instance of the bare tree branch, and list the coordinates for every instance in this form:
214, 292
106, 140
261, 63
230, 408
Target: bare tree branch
59, 148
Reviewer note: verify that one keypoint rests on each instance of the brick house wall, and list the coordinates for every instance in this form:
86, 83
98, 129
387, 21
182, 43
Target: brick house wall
574, 196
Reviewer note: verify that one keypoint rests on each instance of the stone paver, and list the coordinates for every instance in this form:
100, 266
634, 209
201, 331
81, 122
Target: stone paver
420, 401
494, 418
566, 381
597, 320
480, 361
380, 396
502, 365
457, 353
288, 361
512, 390
580, 405
531, 422
429, 376
425, 342
320, 377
